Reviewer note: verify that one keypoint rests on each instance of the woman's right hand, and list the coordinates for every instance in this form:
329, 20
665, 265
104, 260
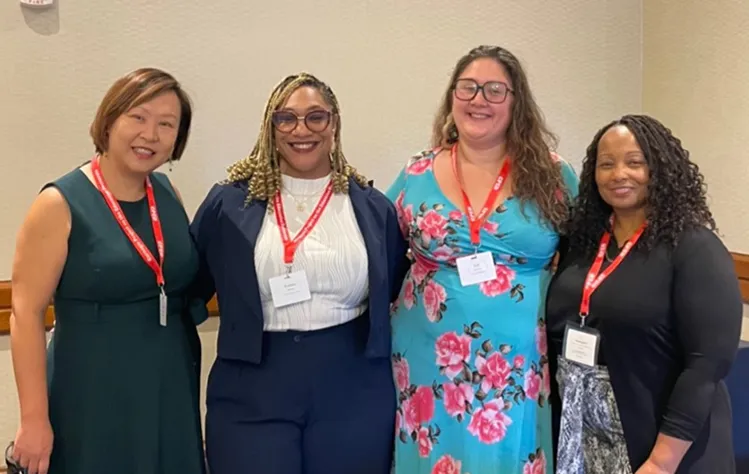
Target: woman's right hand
33, 445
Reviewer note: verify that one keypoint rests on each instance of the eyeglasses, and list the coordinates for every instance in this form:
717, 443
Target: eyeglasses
316, 121
493, 91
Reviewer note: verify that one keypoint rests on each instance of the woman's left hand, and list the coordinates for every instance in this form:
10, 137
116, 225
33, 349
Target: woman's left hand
649, 467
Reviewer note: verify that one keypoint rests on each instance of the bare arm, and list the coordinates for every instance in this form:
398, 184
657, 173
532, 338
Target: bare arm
41, 250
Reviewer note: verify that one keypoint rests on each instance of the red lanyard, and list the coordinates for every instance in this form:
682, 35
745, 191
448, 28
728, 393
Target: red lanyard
114, 206
594, 278
475, 222
290, 245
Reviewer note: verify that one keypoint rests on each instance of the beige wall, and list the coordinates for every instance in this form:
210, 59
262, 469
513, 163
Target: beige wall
696, 80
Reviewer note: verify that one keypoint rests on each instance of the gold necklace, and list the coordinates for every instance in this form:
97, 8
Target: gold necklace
301, 205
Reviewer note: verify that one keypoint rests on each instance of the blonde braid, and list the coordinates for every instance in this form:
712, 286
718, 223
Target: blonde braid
261, 168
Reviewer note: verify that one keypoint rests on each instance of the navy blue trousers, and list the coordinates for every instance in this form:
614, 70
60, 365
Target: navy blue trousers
314, 405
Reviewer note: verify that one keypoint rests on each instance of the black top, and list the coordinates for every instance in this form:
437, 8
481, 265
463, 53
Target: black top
670, 322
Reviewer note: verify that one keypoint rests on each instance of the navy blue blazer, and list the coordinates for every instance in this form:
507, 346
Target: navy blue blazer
225, 231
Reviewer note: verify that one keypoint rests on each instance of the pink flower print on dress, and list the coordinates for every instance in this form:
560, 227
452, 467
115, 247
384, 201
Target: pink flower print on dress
546, 381
453, 352
541, 343
418, 410
409, 297
424, 442
501, 284
419, 166
456, 397
402, 374
434, 300
495, 369
489, 423
532, 384
433, 226
536, 463
444, 253
447, 465
421, 267
491, 227
405, 214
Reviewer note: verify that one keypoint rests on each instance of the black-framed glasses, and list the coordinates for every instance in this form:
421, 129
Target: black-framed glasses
316, 121
493, 91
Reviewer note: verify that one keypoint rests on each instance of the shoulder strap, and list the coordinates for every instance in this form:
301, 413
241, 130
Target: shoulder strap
164, 181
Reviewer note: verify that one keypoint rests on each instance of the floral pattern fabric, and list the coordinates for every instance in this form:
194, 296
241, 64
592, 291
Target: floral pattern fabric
470, 363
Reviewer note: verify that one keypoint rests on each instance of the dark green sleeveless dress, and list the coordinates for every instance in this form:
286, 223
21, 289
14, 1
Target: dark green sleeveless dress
123, 390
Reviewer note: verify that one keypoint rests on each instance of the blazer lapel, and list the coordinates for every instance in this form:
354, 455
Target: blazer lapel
371, 230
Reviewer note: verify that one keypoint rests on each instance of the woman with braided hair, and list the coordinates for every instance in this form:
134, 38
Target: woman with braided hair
643, 314
304, 257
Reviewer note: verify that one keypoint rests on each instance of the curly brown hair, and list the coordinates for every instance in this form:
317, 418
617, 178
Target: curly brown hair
676, 192
536, 177
261, 168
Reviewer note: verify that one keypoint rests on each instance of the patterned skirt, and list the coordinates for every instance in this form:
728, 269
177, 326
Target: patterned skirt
591, 439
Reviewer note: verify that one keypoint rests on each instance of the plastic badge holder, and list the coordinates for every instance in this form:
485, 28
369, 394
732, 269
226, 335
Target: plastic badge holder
37, 3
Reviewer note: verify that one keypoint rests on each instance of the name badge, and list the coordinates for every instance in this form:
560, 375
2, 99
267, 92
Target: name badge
476, 268
289, 289
581, 345
162, 308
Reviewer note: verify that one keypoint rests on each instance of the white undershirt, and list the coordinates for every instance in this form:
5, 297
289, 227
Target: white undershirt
333, 256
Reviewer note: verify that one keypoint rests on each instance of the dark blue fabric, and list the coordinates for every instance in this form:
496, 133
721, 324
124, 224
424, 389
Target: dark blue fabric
738, 387
315, 405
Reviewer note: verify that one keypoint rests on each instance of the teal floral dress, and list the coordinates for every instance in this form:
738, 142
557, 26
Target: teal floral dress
470, 363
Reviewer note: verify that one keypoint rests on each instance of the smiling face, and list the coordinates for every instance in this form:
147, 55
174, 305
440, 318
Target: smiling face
622, 174
142, 139
304, 131
478, 119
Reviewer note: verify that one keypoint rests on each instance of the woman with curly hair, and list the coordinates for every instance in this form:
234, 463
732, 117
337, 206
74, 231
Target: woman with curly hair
482, 211
304, 257
643, 314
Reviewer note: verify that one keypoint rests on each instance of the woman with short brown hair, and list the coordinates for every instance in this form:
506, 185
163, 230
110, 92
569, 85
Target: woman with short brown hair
110, 242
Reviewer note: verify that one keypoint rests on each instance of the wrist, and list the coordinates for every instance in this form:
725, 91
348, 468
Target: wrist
34, 416
662, 463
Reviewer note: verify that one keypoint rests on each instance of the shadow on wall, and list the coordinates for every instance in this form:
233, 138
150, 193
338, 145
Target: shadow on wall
43, 20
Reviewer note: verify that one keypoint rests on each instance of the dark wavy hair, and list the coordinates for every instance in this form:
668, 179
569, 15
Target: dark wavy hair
676, 192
